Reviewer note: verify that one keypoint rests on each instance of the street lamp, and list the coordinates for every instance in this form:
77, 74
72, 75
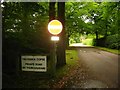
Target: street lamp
55, 27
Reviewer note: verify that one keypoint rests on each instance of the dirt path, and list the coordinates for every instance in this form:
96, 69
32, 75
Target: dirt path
98, 69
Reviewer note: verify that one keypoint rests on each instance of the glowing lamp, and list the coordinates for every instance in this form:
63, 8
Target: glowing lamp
55, 27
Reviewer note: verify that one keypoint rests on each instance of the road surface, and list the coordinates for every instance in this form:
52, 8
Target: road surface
102, 67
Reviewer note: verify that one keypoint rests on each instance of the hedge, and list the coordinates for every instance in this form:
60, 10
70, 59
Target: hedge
113, 41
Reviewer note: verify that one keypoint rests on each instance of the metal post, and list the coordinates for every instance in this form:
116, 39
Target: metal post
55, 55
54, 58
55, 52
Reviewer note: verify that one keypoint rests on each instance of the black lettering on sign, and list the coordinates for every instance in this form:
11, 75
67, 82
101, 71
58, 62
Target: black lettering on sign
35, 67
42, 59
30, 67
24, 58
23, 67
38, 58
38, 64
28, 58
42, 67
29, 63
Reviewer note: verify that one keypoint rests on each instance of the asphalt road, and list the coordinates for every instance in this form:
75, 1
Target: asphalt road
102, 67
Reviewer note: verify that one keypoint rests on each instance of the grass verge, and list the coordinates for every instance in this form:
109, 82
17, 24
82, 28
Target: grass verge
64, 72
109, 50
71, 61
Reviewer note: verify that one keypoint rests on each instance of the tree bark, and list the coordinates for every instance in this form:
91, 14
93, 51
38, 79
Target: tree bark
51, 11
61, 59
106, 31
52, 16
96, 32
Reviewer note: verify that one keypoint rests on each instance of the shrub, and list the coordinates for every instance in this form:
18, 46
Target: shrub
99, 42
94, 42
88, 42
113, 41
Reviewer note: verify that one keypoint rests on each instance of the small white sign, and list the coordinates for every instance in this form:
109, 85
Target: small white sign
34, 63
55, 38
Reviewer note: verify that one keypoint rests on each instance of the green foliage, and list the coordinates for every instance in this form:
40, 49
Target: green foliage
113, 41
74, 38
24, 24
88, 42
71, 41
92, 17
23, 31
71, 62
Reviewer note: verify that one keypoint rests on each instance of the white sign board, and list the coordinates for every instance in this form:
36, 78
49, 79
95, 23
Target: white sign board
34, 63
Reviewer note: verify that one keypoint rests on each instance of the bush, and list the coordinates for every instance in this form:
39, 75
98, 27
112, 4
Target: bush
113, 41
100, 42
94, 42
88, 42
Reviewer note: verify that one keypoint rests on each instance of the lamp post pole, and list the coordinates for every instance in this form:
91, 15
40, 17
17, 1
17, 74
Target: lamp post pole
55, 28
55, 52
55, 39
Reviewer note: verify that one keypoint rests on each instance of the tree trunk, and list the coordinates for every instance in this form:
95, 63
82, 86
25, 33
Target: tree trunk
67, 40
105, 31
61, 59
96, 32
51, 11
51, 17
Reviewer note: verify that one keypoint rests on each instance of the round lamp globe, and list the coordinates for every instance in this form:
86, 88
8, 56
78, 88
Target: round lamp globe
55, 27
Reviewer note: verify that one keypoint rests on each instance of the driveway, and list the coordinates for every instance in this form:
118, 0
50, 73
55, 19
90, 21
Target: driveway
101, 67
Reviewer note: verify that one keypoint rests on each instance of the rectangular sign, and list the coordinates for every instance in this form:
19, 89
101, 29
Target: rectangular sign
34, 63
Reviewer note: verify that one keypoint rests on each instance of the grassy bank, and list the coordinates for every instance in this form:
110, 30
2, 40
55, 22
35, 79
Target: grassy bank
109, 50
63, 73
71, 61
